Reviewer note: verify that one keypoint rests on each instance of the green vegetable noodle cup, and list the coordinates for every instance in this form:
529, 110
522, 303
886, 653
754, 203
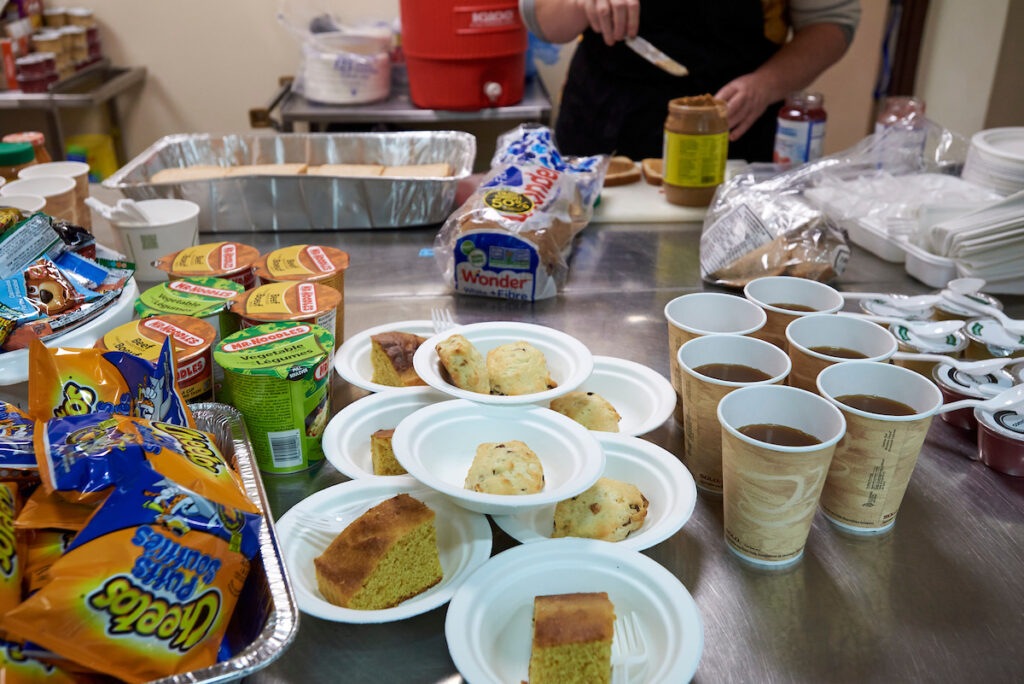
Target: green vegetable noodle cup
279, 376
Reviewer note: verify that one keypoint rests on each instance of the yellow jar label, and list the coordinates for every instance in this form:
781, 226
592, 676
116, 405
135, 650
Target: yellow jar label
195, 260
695, 161
269, 299
285, 262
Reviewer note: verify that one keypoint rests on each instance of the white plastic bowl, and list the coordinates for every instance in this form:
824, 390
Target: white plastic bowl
660, 476
569, 361
26, 203
488, 626
643, 398
437, 444
352, 358
347, 437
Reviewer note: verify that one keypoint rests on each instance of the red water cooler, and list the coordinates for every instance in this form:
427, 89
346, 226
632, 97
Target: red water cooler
464, 54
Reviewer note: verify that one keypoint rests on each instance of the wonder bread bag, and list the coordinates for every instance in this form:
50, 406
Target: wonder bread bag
81, 457
146, 590
510, 239
71, 382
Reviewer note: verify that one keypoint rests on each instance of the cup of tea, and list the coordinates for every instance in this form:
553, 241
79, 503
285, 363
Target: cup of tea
888, 410
777, 443
713, 366
706, 313
818, 341
785, 299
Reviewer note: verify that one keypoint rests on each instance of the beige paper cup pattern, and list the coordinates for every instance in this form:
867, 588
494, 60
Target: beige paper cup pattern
59, 193
78, 172
823, 330
701, 394
770, 492
873, 463
771, 291
705, 313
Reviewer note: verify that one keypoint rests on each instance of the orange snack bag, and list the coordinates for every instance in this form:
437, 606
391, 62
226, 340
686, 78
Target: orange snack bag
42, 549
71, 382
146, 590
11, 561
48, 510
18, 668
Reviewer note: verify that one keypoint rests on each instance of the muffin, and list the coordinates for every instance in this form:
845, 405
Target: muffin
464, 363
609, 511
518, 368
505, 468
590, 410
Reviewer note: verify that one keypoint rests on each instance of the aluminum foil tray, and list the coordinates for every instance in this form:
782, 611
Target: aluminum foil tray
285, 203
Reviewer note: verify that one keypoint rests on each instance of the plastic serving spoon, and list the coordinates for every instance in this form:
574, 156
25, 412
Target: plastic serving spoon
1011, 324
901, 303
983, 367
936, 329
1012, 398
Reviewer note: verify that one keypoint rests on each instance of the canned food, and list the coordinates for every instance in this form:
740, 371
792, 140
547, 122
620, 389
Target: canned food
946, 310
308, 263
229, 260
951, 345
990, 340
278, 375
957, 385
192, 341
288, 301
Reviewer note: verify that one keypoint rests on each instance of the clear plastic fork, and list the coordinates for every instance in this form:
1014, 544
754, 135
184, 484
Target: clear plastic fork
629, 648
442, 320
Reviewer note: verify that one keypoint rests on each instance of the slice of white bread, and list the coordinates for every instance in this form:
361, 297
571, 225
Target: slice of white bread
346, 170
652, 170
188, 173
418, 171
267, 170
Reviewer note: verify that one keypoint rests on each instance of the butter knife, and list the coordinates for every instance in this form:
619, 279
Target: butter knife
656, 56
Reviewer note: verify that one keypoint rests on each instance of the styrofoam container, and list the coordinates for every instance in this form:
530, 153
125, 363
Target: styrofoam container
437, 445
352, 358
568, 360
643, 398
659, 475
871, 235
173, 226
28, 204
488, 630
930, 269
347, 437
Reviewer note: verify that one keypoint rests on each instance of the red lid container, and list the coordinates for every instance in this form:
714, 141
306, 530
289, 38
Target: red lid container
36, 65
36, 84
1001, 440
463, 55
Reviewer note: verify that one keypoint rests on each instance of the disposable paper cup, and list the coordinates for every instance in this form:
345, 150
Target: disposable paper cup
770, 492
28, 204
77, 171
705, 313
769, 292
872, 465
59, 193
822, 330
701, 394
173, 226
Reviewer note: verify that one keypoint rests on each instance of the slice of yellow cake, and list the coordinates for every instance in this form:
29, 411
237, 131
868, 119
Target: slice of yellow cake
387, 555
384, 461
391, 357
572, 639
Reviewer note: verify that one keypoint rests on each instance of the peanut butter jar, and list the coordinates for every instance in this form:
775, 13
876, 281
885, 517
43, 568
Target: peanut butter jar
310, 264
695, 149
296, 302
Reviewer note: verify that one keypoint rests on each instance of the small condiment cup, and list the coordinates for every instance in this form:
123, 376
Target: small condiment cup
822, 330
771, 291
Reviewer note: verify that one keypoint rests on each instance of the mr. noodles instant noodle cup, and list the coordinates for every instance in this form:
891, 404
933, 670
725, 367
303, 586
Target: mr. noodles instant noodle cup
229, 260
278, 376
298, 302
308, 263
191, 338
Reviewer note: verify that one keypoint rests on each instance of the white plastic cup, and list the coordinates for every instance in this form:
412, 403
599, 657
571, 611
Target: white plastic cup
77, 171
27, 204
58, 191
173, 226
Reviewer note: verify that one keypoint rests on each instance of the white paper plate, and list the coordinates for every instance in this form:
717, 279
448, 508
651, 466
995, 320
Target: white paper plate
660, 477
437, 445
347, 437
488, 627
14, 364
569, 361
643, 398
463, 540
352, 358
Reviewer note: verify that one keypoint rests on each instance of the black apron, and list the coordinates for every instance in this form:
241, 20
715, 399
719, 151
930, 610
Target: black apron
614, 101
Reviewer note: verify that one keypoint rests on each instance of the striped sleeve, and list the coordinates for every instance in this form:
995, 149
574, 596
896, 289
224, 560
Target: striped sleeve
844, 13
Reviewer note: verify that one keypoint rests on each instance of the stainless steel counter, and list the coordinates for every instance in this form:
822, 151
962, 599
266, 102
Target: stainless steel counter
940, 598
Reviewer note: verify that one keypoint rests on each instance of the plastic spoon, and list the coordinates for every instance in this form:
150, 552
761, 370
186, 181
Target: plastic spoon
965, 286
119, 213
900, 303
983, 367
1011, 398
1010, 324
935, 329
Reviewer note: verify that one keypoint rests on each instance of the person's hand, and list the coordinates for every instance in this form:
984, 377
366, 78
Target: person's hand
612, 19
746, 98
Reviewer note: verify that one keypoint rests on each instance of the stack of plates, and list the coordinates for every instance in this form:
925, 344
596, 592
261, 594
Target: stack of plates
345, 69
995, 160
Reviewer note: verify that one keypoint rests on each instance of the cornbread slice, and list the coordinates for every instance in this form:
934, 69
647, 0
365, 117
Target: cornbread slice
610, 510
267, 170
464, 363
505, 468
391, 357
188, 173
418, 171
387, 555
346, 170
572, 639
589, 409
384, 462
